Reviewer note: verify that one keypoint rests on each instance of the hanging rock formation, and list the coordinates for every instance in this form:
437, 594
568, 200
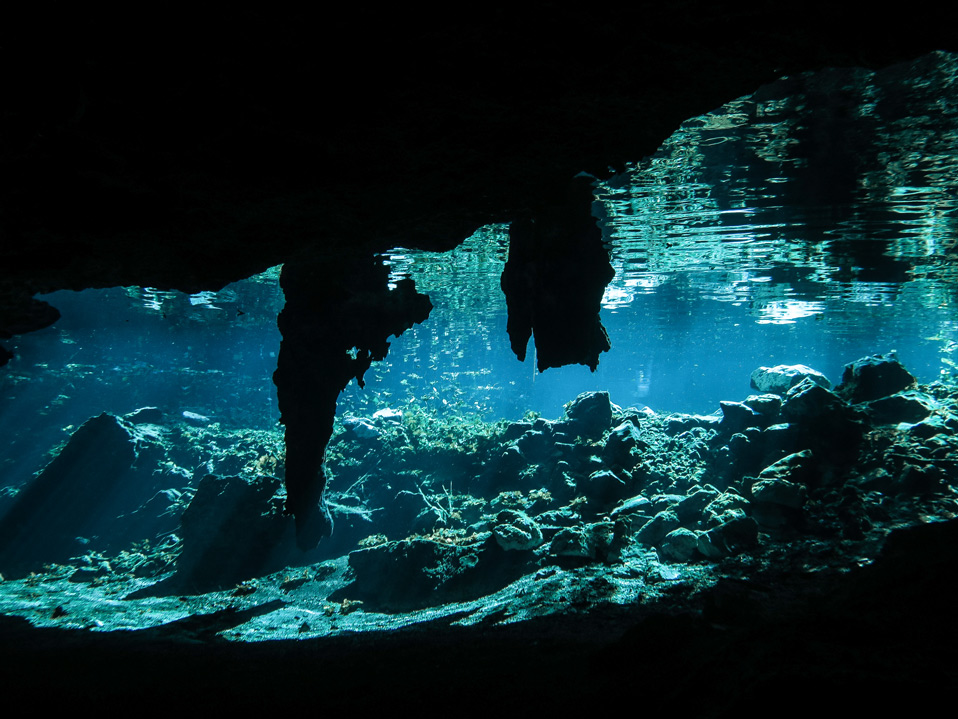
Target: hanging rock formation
557, 271
338, 314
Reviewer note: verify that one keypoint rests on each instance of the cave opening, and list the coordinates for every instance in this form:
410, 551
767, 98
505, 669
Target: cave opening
808, 224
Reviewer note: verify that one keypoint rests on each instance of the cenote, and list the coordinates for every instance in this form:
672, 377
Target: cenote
778, 398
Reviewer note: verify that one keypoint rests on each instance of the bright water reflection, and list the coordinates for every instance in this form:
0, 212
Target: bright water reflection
814, 221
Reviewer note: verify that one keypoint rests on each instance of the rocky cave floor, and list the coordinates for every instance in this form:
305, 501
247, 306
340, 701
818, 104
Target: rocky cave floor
604, 519
464, 522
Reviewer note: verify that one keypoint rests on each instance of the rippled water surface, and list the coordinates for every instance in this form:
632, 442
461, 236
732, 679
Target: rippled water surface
814, 221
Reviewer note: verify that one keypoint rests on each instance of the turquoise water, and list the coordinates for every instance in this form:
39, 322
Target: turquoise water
812, 222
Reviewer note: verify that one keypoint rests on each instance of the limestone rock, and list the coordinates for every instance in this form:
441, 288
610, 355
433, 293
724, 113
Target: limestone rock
230, 531
658, 527
729, 538
361, 427
88, 484
781, 378
594, 542
603, 487
195, 418
516, 531
388, 415
145, 415
689, 509
590, 413
780, 492
872, 377
724, 507
794, 468
678, 423
679, 545
416, 573
767, 405
619, 446
808, 400
631, 506
535, 446
736, 416
908, 407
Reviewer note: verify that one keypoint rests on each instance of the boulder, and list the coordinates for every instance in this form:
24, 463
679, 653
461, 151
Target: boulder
535, 446
603, 487
230, 532
515, 530
780, 492
102, 472
809, 400
679, 423
195, 418
416, 573
796, 467
767, 405
594, 542
632, 505
726, 506
908, 407
361, 427
620, 444
736, 416
781, 378
679, 545
689, 509
388, 415
872, 377
658, 527
732, 537
590, 414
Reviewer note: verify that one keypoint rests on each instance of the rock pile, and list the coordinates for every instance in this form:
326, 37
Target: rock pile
801, 459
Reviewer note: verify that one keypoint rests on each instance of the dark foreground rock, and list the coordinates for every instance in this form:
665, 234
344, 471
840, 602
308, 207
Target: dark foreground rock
76, 499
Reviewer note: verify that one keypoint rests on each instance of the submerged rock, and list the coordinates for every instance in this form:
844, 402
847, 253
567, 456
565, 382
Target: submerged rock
795, 467
738, 534
535, 446
679, 423
79, 494
620, 444
230, 531
590, 414
195, 419
679, 545
593, 542
362, 428
602, 488
392, 416
515, 530
781, 378
767, 405
781, 492
419, 572
872, 377
658, 527
737, 416
909, 407
808, 400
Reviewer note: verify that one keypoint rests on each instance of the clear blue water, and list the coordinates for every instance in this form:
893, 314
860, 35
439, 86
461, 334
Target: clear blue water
812, 222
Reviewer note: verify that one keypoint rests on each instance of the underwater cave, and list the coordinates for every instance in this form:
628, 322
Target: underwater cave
539, 357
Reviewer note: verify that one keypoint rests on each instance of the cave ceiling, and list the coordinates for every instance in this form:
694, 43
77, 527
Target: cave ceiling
188, 151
